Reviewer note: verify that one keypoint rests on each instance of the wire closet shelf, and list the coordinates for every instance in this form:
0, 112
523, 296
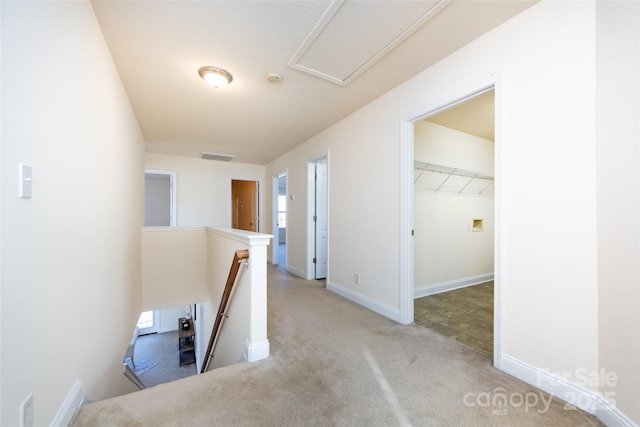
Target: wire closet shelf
468, 182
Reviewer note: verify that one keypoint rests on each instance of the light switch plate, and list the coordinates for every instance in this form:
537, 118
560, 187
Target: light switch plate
25, 181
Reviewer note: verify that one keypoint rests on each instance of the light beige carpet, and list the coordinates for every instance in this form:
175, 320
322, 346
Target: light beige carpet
334, 363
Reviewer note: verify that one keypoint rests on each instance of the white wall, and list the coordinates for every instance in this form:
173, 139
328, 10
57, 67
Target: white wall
172, 276
71, 253
449, 147
618, 189
168, 317
447, 251
544, 62
204, 187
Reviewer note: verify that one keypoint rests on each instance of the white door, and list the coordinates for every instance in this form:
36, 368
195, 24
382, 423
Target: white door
321, 220
148, 322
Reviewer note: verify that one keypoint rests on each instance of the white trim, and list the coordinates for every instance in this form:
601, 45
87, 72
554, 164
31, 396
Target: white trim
552, 384
406, 291
173, 196
311, 191
259, 197
153, 328
275, 192
437, 288
365, 301
310, 225
254, 352
588, 400
612, 416
250, 238
296, 271
406, 223
559, 387
158, 229
69, 406
500, 233
327, 17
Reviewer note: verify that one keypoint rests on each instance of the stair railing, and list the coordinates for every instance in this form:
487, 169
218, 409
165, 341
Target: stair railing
238, 259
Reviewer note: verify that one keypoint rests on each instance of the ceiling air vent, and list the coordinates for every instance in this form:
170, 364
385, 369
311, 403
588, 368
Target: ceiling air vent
215, 156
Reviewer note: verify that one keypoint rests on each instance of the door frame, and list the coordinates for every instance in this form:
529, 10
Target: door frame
156, 322
275, 193
259, 200
173, 187
407, 207
311, 205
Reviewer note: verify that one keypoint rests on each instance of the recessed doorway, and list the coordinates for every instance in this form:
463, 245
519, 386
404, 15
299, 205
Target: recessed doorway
159, 198
454, 222
244, 204
318, 225
280, 220
484, 225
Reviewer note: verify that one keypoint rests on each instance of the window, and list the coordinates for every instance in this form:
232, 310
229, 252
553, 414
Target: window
145, 320
282, 211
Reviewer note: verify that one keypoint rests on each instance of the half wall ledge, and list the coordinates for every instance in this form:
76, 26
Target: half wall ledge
250, 296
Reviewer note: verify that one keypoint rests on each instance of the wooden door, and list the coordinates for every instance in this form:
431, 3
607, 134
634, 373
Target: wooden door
244, 203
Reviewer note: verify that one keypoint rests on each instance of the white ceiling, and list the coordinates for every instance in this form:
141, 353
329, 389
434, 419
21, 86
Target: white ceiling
368, 47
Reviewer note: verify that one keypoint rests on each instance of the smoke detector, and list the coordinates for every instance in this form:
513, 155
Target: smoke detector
274, 78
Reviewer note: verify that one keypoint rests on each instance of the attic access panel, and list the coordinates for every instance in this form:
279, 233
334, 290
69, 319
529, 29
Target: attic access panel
352, 35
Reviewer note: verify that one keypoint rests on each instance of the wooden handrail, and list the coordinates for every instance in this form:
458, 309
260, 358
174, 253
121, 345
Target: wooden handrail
238, 257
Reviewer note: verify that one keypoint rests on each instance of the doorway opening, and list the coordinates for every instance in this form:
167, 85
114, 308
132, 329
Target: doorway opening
159, 198
453, 222
279, 253
157, 354
450, 197
244, 205
318, 223
148, 322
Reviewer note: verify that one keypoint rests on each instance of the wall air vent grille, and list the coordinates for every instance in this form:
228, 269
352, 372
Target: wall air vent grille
216, 156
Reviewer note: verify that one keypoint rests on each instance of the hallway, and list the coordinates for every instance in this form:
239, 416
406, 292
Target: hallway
335, 363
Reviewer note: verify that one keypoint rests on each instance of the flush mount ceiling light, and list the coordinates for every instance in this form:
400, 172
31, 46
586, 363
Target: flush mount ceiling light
215, 77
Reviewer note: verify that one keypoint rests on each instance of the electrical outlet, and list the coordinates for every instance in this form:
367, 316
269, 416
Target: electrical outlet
356, 278
26, 412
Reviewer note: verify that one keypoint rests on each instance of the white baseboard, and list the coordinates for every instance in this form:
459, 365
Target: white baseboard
297, 272
575, 395
612, 416
365, 301
254, 352
437, 288
69, 406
